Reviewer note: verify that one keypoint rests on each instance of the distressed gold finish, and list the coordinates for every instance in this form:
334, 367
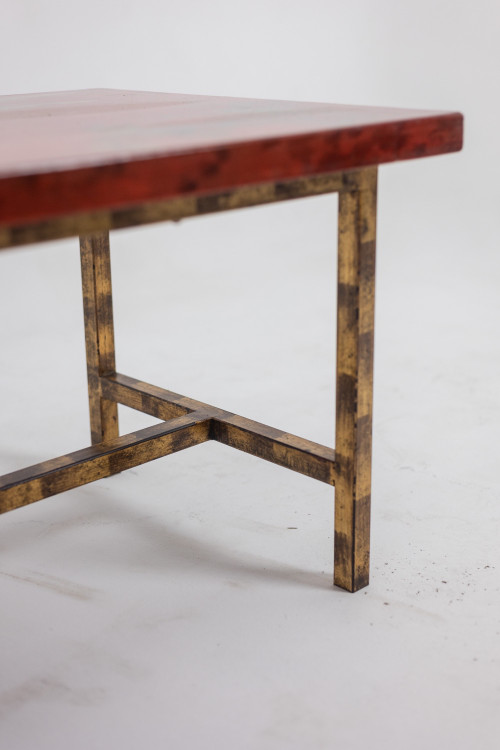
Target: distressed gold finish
110, 457
188, 422
178, 208
273, 445
99, 332
355, 321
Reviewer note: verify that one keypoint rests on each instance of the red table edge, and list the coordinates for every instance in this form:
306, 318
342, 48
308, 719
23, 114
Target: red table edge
34, 197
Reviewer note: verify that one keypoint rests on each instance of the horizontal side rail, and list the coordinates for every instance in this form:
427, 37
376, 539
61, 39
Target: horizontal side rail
157, 402
175, 209
196, 423
282, 448
102, 460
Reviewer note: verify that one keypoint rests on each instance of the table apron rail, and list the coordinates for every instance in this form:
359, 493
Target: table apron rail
175, 209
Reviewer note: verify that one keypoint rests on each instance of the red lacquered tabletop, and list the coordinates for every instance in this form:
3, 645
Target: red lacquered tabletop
78, 151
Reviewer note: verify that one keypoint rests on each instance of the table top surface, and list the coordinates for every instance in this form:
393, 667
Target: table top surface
75, 151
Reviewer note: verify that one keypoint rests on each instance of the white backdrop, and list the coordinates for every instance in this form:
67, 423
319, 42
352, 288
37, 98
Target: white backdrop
239, 311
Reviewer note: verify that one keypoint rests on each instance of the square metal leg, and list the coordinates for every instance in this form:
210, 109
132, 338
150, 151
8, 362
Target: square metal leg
99, 332
353, 441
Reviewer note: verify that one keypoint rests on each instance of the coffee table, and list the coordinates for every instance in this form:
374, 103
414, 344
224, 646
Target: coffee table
82, 163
